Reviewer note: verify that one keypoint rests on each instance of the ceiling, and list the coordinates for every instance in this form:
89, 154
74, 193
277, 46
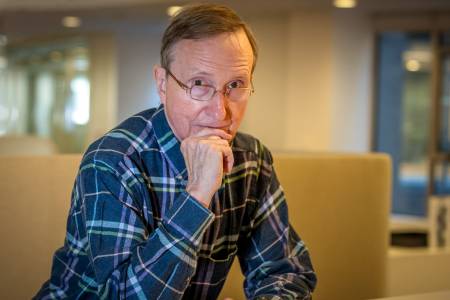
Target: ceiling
19, 16
247, 5
34, 5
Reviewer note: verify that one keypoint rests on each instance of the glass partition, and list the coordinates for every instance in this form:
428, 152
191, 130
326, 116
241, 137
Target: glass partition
45, 91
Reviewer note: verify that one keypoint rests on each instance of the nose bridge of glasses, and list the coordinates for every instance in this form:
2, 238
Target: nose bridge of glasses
223, 93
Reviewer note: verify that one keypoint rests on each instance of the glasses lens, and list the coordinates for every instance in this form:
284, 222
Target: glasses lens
239, 94
201, 92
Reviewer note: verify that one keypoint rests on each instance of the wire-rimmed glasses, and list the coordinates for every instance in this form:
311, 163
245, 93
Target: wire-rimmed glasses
207, 92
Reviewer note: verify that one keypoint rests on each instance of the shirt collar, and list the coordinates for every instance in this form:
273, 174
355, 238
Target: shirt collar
169, 143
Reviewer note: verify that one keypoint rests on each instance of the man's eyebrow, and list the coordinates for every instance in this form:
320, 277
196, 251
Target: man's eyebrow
207, 74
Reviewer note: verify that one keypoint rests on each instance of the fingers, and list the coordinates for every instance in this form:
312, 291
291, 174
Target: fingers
224, 149
195, 147
228, 158
210, 132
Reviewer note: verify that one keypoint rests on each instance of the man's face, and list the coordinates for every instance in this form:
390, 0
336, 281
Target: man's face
214, 61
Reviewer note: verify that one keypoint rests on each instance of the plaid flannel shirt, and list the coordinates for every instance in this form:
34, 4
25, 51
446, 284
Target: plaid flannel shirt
134, 233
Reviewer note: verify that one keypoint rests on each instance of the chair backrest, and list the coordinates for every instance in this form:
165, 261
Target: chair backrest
339, 205
26, 145
34, 201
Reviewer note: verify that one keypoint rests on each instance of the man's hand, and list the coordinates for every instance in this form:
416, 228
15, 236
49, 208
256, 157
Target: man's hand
207, 156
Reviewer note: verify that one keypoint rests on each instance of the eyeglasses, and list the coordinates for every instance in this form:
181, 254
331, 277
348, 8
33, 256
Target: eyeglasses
207, 92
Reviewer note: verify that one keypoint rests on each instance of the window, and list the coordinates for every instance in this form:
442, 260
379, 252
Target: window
409, 126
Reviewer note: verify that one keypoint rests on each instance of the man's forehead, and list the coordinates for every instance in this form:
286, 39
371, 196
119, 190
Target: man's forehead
233, 46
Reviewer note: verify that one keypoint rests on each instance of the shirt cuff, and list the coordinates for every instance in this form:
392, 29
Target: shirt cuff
267, 297
188, 219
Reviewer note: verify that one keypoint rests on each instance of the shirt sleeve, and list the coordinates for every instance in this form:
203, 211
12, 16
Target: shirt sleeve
130, 258
275, 261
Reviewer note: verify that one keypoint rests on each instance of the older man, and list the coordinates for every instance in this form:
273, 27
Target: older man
164, 202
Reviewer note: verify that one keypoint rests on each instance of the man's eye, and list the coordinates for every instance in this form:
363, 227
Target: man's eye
235, 84
198, 82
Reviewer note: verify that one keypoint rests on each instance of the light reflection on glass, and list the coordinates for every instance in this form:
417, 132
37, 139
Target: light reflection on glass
80, 108
44, 86
4, 118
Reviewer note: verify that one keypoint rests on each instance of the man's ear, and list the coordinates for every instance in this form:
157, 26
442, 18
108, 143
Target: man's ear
159, 74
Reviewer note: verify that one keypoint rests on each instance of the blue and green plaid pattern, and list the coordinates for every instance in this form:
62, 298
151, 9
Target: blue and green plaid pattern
134, 233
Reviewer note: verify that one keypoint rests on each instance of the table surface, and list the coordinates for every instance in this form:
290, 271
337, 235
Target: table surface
443, 295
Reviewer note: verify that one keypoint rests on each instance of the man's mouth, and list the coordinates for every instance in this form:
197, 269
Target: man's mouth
225, 126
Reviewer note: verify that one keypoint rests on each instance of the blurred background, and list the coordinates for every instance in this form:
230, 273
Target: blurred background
342, 76
333, 76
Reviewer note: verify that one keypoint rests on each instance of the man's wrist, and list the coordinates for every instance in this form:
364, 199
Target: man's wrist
200, 196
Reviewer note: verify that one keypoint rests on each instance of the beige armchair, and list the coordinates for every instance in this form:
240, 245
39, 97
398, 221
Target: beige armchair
34, 201
338, 203
26, 145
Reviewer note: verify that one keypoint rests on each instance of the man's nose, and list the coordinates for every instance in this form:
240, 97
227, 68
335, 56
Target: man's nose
218, 106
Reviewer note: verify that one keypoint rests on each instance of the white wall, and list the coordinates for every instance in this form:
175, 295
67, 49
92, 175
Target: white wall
138, 51
266, 111
313, 81
103, 77
309, 81
353, 56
